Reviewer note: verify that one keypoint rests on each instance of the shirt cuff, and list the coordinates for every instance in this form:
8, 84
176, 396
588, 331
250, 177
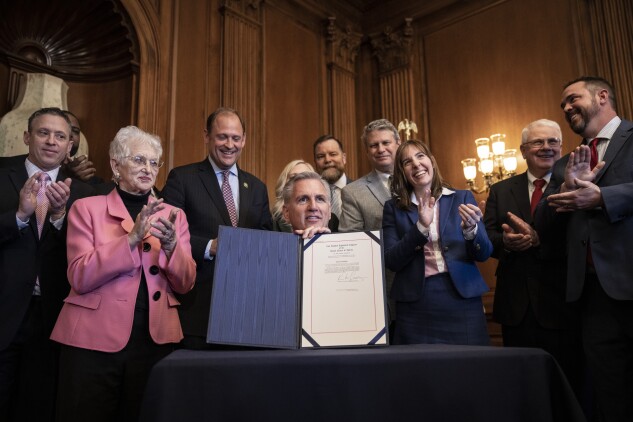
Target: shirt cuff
470, 234
58, 223
22, 224
424, 230
207, 252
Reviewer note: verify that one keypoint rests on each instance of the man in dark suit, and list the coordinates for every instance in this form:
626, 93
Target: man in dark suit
529, 298
212, 193
594, 197
329, 161
33, 266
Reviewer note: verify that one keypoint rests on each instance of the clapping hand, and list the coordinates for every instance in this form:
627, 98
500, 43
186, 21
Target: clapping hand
165, 230
426, 206
518, 235
142, 224
471, 215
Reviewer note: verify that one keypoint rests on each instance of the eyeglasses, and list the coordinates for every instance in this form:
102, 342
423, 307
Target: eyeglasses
140, 161
538, 143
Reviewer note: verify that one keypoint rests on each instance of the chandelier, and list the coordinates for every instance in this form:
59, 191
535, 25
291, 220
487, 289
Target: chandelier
495, 165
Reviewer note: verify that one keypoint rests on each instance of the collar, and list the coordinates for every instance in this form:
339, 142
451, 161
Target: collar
218, 170
609, 129
341, 182
445, 192
31, 169
383, 176
532, 178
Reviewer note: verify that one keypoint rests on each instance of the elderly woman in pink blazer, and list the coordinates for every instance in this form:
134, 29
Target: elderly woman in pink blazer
128, 253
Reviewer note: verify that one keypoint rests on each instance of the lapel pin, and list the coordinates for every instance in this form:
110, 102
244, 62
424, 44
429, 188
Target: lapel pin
245, 185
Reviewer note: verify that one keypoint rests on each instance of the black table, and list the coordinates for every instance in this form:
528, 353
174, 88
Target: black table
395, 383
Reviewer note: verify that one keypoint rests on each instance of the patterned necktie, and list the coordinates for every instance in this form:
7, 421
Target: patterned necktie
228, 197
537, 194
42, 203
594, 152
336, 200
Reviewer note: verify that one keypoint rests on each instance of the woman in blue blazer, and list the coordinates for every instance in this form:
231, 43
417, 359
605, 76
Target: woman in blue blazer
432, 236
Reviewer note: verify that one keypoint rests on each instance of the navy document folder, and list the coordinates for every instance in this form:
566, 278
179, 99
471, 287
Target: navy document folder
275, 290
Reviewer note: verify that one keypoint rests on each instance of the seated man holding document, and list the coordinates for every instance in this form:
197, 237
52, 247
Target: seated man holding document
302, 289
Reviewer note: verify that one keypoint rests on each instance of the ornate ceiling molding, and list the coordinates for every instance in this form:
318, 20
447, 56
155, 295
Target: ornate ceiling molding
392, 48
343, 45
71, 39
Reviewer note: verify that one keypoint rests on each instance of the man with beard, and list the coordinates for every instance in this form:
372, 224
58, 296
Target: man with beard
330, 160
593, 195
529, 298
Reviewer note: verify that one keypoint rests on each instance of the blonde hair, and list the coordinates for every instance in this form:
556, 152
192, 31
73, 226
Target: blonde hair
281, 182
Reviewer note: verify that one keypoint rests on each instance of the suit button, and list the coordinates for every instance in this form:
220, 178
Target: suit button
147, 247
477, 247
156, 296
417, 248
445, 248
153, 270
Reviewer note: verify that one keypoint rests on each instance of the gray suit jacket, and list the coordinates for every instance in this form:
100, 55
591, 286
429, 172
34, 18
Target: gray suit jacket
363, 201
608, 229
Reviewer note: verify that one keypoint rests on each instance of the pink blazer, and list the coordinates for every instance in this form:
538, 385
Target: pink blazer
104, 276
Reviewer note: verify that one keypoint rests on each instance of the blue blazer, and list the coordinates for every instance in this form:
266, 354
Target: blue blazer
404, 245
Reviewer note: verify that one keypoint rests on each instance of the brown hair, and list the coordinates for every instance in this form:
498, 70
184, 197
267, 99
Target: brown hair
400, 187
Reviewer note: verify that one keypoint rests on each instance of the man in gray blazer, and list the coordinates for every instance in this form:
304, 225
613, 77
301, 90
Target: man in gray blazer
363, 200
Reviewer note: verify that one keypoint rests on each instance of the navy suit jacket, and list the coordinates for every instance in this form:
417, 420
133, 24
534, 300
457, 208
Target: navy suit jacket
609, 229
404, 244
524, 278
24, 256
194, 188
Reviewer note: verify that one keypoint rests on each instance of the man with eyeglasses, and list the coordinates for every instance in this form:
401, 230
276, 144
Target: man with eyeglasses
36, 194
212, 193
593, 200
529, 300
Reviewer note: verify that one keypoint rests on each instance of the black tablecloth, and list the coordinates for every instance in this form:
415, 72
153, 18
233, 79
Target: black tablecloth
395, 383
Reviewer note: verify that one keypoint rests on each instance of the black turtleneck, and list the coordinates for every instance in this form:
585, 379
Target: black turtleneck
134, 204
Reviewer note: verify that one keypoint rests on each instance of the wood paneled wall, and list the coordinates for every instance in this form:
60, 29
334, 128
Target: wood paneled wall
460, 70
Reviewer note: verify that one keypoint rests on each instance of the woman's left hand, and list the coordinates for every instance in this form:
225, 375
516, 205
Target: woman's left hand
471, 215
165, 230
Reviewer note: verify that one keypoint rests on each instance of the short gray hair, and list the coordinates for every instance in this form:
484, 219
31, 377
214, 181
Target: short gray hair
306, 175
120, 145
537, 123
380, 124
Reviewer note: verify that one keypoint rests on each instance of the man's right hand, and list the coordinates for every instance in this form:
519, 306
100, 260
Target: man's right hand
518, 235
28, 197
579, 167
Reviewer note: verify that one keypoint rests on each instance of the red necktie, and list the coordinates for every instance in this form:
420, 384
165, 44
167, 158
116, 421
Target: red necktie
594, 152
537, 194
228, 197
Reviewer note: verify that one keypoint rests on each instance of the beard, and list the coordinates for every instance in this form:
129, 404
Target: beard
586, 114
332, 174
